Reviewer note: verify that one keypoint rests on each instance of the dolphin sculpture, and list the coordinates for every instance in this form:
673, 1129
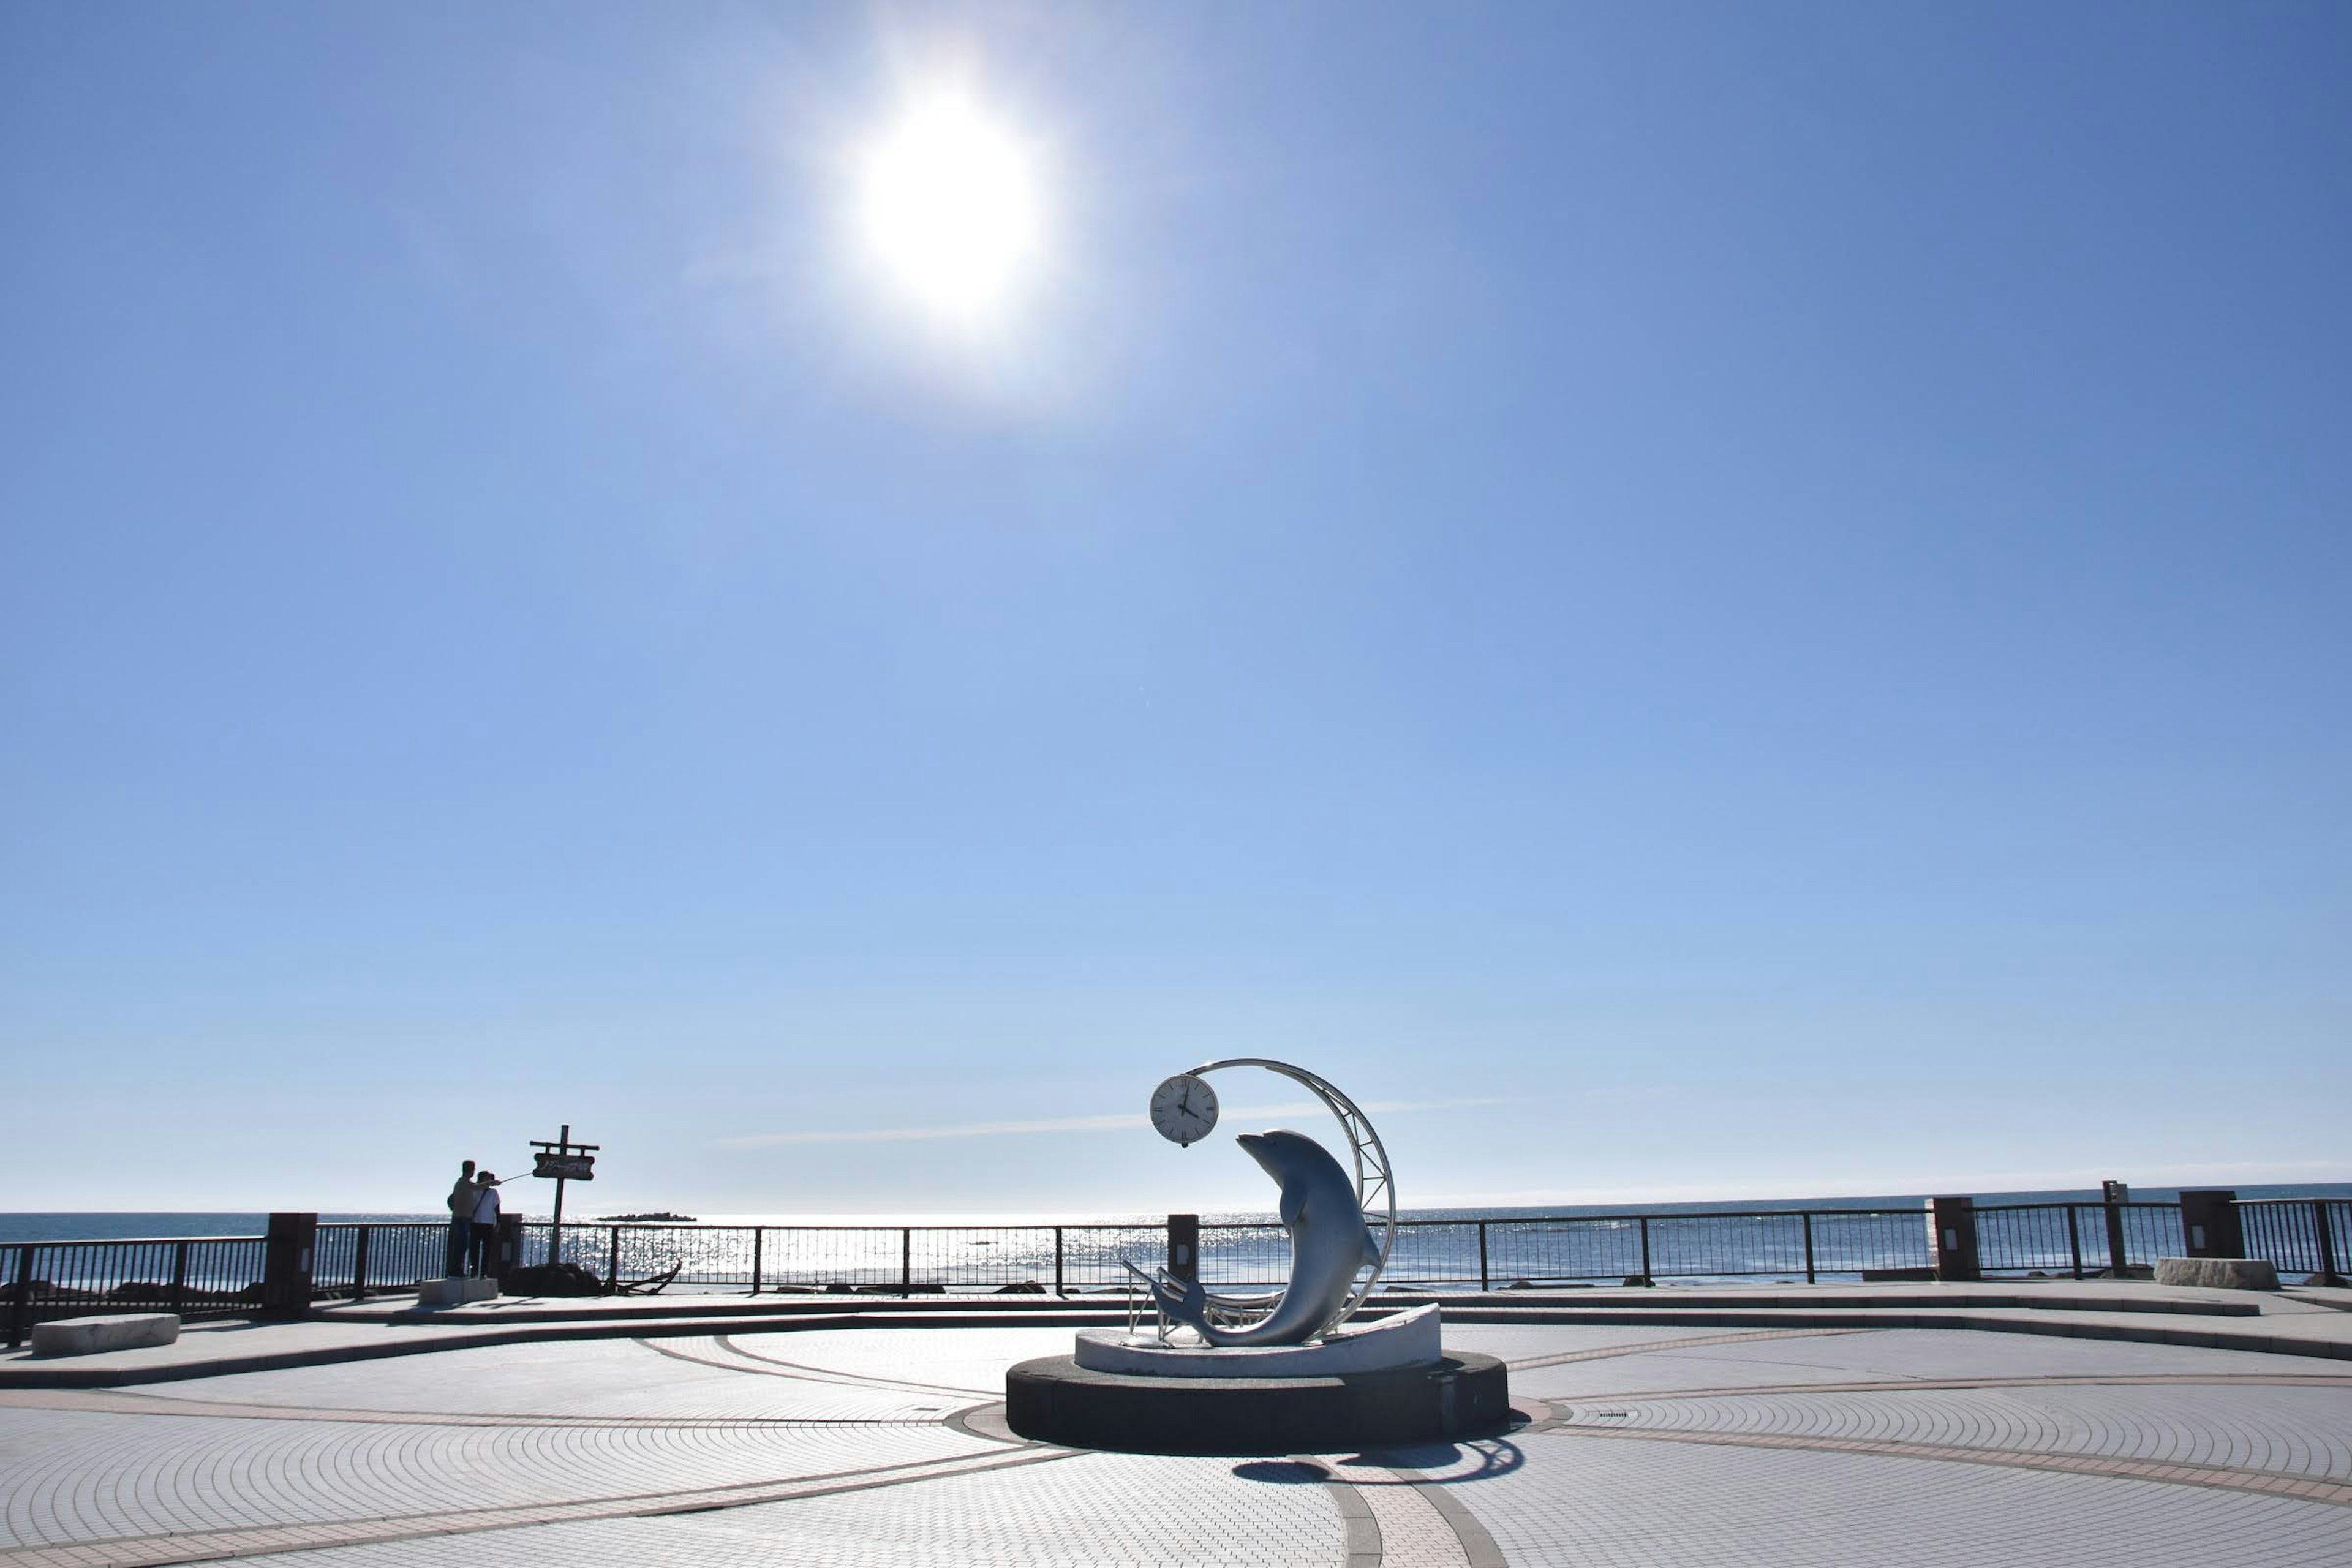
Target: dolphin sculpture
1329, 1243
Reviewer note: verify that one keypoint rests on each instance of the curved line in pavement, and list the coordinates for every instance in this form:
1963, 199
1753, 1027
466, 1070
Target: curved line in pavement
261, 1540
2270, 1483
1647, 1347
830, 1374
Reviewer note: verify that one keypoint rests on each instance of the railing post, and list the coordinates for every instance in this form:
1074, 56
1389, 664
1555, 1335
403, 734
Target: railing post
2208, 1225
757, 1234
613, 1258
1184, 1245
20, 1309
287, 1256
1483, 1278
360, 1263
179, 1277
906, 1261
2075, 1239
1057, 1262
1646, 1275
1809, 1247
510, 1246
2326, 1231
1952, 1236
2116, 1259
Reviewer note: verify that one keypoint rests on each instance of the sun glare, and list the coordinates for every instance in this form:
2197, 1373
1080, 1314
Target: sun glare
949, 208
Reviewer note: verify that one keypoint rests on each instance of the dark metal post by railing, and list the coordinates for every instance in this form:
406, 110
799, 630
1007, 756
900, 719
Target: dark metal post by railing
906, 1261
2075, 1239
2116, 1260
20, 1308
2325, 1234
1808, 1248
179, 1296
360, 1263
2208, 1225
1952, 1239
1057, 1262
613, 1258
1482, 1282
758, 1235
508, 1256
1184, 1245
1645, 1249
288, 1256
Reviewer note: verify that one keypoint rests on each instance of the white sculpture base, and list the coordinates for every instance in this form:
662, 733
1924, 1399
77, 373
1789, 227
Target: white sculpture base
1408, 1338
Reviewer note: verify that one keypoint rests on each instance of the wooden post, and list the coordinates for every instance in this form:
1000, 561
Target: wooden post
555, 1226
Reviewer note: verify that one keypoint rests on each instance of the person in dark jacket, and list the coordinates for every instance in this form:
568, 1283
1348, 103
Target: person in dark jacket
461, 1222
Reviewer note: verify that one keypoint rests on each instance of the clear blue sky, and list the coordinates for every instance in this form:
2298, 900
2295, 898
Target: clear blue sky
1704, 598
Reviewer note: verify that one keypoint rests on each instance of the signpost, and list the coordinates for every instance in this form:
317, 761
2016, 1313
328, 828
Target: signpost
566, 1162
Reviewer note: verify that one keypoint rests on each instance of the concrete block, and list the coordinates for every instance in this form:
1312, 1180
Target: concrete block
112, 1331
454, 1291
2219, 1273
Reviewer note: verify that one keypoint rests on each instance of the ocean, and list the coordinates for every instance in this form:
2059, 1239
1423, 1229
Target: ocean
1689, 1243
172, 1224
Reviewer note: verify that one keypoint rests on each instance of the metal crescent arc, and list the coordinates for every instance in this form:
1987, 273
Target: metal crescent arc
1364, 1146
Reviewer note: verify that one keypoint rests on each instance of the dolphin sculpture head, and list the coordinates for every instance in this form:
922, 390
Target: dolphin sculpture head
1328, 1244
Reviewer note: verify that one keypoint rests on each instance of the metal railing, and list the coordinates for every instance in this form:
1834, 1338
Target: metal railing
2075, 1239
358, 1260
197, 1276
222, 1276
2302, 1236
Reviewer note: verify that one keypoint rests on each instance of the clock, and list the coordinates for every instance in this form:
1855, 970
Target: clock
1184, 1109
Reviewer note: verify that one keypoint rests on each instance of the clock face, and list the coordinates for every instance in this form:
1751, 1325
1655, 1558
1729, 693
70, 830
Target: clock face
1184, 1109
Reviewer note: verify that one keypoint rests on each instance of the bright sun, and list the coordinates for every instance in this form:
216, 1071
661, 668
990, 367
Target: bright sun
949, 207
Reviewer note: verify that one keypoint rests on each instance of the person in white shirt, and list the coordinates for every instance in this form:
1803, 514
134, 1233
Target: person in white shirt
484, 1253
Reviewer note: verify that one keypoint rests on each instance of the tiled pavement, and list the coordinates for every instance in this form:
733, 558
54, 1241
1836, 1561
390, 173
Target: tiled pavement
1673, 1445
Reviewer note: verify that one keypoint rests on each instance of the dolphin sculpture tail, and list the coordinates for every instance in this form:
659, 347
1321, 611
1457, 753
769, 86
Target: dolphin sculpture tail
1183, 1299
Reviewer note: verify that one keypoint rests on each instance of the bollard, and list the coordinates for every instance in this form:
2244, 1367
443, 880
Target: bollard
509, 1255
1184, 1245
285, 1257
1952, 1237
2208, 1225
2113, 1197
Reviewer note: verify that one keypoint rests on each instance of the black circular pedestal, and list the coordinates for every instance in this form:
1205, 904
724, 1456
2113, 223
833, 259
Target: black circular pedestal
1055, 1400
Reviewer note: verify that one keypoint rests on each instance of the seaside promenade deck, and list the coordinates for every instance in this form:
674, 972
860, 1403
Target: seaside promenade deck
2059, 1423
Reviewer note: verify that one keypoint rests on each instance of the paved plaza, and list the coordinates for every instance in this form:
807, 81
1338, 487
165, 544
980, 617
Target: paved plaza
1685, 1443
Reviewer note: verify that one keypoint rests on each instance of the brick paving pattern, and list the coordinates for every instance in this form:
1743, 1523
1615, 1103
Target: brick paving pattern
1679, 1446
